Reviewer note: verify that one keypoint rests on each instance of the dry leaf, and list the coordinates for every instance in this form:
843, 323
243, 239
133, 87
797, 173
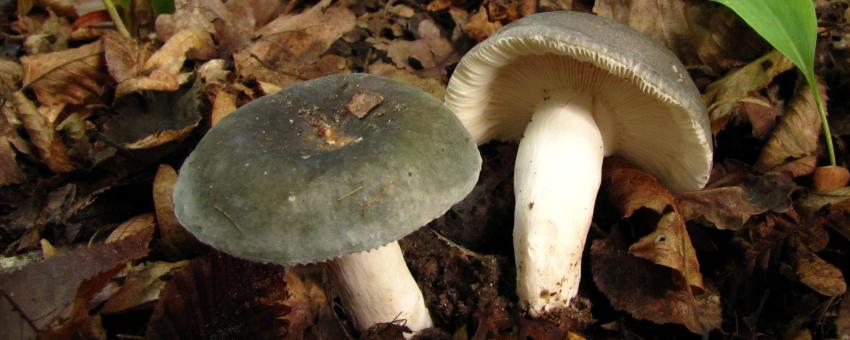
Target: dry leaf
290, 48
730, 206
736, 87
430, 85
669, 245
838, 213
699, 32
72, 76
141, 224
44, 292
142, 286
176, 240
11, 74
647, 291
124, 56
842, 323
40, 130
819, 275
209, 298
231, 24
219, 86
362, 102
428, 55
144, 122
161, 72
797, 133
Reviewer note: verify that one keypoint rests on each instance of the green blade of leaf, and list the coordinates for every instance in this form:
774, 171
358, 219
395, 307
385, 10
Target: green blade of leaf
162, 7
791, 27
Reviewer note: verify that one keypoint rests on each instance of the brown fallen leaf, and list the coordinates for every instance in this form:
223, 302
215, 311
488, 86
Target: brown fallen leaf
362, 102
51, 149
702, 34
230, 23
11, 75
728, 203
797, 133
647, 291
161, 72
73, 76
221, 88
842, 323
157, 118
430, 85
43, 294
142, 286
141, 224
836, 205
725, 94
124, 57
210, 298
817, 274
175, 240
292, 48
428, 55
630, 189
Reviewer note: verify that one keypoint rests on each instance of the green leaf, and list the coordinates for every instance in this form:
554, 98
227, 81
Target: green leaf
162, 7
791, 27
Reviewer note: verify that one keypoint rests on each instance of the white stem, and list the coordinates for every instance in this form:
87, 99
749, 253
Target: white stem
376, 287
557, 175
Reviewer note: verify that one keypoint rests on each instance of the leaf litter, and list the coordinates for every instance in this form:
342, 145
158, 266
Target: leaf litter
94, 125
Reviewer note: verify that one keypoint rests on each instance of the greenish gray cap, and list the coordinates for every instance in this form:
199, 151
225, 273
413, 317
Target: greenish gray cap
296, 177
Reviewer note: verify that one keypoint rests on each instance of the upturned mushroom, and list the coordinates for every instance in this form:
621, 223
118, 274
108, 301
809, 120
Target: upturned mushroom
334, 169
573, 88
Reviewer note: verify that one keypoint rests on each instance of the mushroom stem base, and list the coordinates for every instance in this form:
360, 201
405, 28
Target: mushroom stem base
556, 179
376, 286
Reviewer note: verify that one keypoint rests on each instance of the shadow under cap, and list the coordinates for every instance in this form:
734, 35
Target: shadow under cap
295, 178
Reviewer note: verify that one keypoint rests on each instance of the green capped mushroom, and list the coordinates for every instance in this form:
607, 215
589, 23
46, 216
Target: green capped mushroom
337, 168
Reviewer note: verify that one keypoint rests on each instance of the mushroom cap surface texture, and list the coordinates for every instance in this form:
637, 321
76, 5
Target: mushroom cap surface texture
294, 177
655, 116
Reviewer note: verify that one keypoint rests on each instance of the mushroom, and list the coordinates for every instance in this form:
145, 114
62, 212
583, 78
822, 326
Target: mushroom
296, 178
574, 88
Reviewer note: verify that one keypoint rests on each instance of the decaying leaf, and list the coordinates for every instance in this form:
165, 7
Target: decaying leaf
221, 88
430, 85
797, 133
154, 119
124, 56
11, 75
838, 204
842, 323
43, 293
428, 55
209, 298
72, 76
702, 34
142, 286
175, 240
291, 47
50, 147
362, 102
231, 23
732, 198
817, 274
141, 224
669, 245
647, 291
725, 94
161, 72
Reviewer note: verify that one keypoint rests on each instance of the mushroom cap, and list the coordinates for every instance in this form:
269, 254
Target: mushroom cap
294, 177
654, 114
